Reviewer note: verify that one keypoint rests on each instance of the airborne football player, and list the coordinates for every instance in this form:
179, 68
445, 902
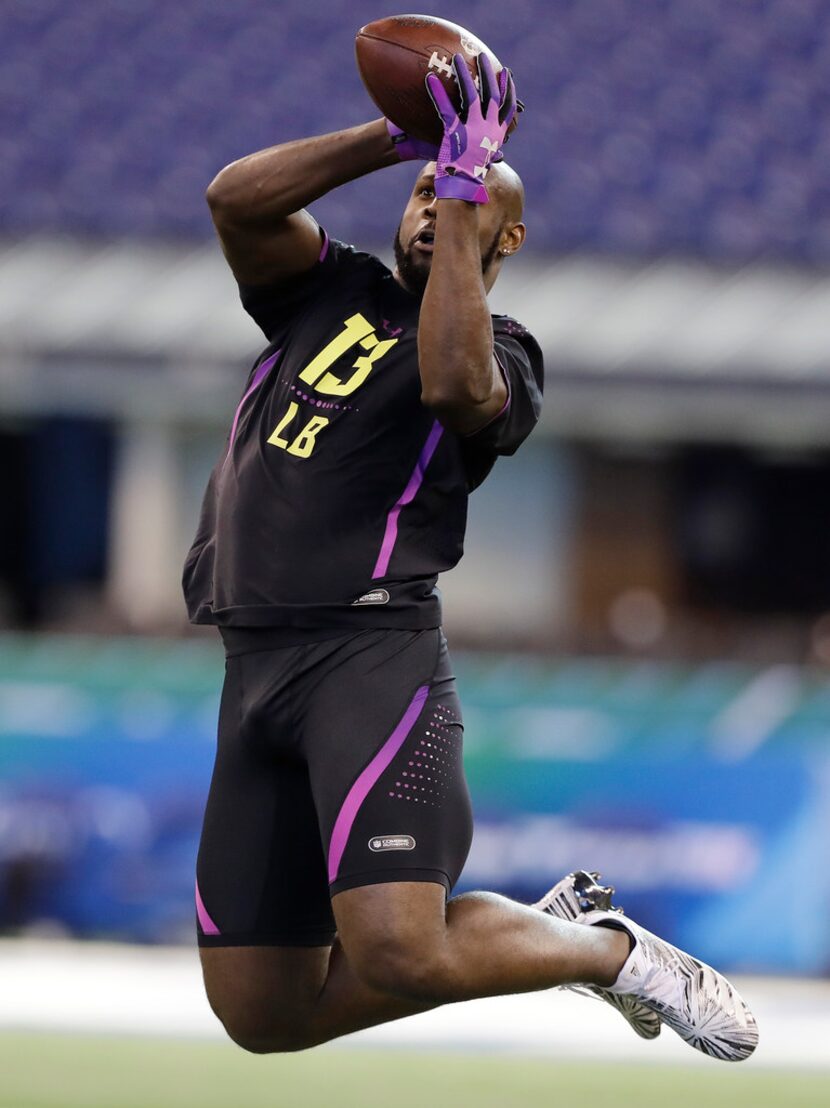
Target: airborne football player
338, 819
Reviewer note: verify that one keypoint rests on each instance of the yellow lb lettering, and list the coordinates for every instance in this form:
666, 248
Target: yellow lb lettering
302, 446
275, 439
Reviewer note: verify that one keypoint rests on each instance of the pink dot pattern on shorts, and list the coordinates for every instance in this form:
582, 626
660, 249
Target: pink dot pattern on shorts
433, 763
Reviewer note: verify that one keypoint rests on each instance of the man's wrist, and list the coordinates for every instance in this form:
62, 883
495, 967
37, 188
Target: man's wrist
456, 202
460, 187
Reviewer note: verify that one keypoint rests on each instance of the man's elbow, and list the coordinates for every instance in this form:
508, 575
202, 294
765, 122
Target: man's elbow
457, 409
229, 193
457, 390
217, 194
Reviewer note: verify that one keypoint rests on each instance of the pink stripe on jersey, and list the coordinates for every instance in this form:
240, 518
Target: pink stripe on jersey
368, 778
259, 377
413, 484
325, 248
205, 922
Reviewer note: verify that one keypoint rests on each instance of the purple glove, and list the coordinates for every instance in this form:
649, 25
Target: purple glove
472, 136
410, 149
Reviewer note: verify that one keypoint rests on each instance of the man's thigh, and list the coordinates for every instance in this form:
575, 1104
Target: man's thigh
261, 875
382, 737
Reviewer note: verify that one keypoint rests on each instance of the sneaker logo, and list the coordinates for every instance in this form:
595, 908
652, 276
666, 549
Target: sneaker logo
392, 842
376, 596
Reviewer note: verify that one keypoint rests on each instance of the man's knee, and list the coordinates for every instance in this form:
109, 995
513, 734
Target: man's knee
265, 996
263, 1032
269, 1040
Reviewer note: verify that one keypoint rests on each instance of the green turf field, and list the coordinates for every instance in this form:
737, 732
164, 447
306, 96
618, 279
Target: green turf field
63, 1071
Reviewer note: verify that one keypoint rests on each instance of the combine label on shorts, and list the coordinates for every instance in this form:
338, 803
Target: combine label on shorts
392, 842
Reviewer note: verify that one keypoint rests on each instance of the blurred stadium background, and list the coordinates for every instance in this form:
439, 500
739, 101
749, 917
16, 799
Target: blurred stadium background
642, 622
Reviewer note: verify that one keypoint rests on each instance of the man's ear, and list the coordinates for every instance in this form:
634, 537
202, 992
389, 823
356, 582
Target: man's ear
512, 239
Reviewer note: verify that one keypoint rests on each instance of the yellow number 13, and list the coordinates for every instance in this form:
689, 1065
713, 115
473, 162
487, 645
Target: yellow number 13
357, 332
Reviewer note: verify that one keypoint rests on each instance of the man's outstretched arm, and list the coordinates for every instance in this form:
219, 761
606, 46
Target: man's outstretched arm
460, 377
257, 202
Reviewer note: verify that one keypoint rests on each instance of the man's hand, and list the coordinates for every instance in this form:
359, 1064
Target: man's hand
474, 135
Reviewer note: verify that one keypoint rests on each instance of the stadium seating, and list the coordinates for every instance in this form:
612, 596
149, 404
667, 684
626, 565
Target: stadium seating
694, 126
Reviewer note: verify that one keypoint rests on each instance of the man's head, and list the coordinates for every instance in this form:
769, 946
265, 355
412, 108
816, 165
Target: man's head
501, 231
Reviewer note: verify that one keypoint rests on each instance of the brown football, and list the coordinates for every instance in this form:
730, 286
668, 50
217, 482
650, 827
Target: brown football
394, 56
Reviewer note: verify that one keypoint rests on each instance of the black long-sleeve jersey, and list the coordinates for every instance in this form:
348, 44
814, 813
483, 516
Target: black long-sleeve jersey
339, 497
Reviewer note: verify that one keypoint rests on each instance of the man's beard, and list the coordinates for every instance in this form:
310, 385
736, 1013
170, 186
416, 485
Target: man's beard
415, 276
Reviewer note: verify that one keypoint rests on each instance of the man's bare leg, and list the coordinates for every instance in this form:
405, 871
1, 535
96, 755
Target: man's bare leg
400, 951
285, 998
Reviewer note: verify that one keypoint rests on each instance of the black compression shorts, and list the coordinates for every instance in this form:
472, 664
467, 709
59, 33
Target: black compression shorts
338, 764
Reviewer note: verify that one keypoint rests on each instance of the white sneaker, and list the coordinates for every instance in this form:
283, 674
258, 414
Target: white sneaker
693, 999
570, 899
